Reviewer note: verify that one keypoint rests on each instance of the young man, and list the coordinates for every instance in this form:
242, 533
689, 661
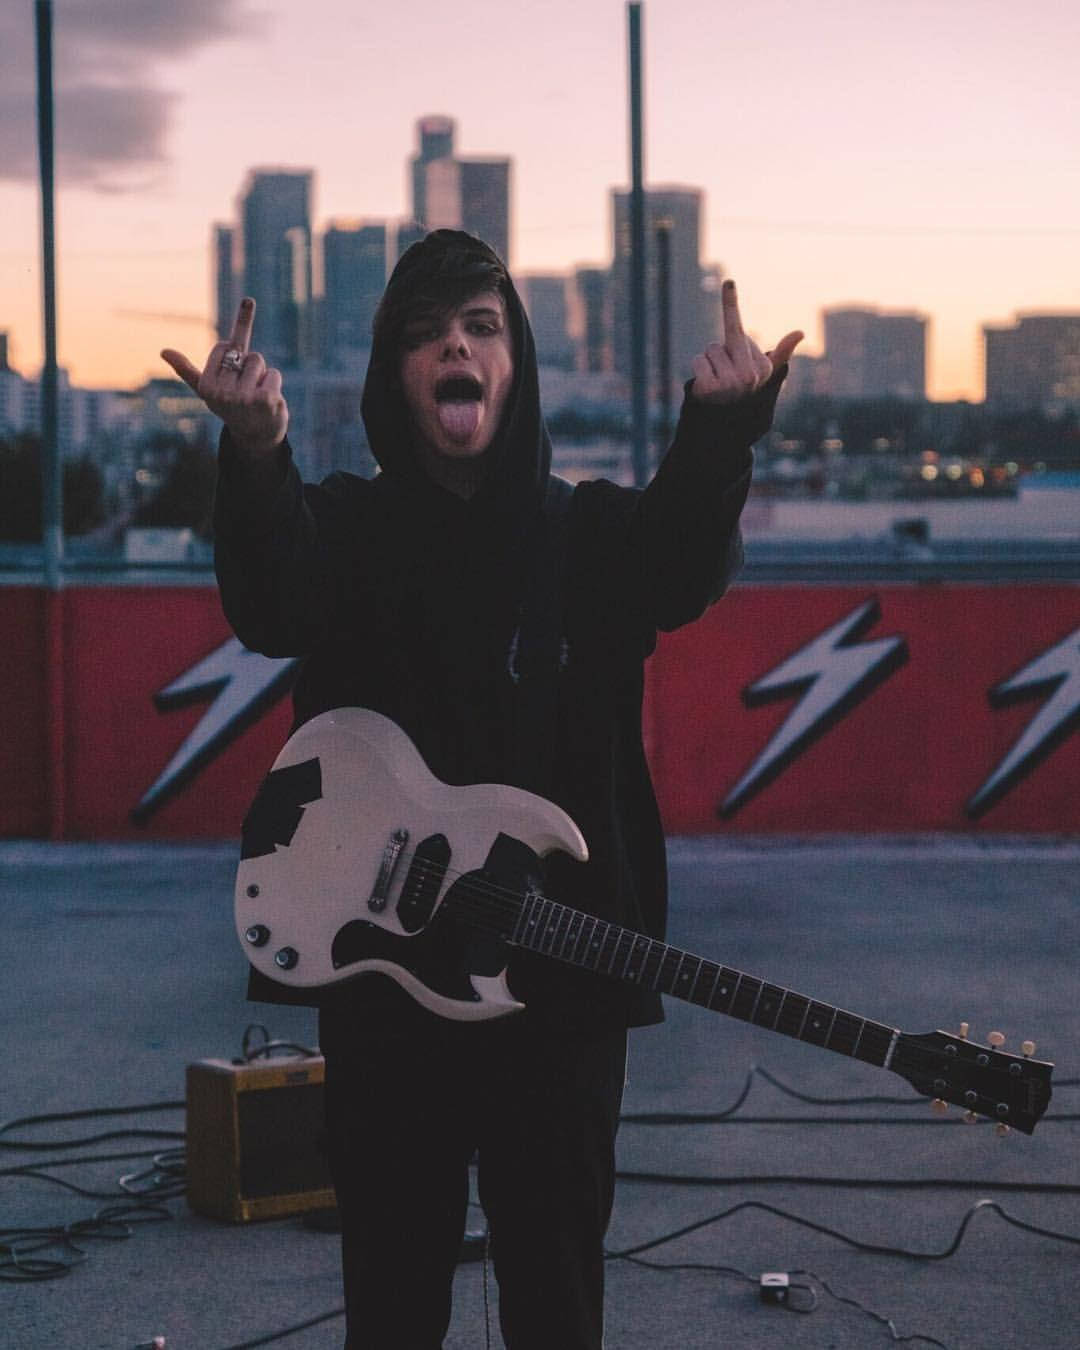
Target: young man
503, 623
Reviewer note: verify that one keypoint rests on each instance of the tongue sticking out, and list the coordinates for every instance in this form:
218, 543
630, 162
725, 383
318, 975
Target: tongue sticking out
459, 418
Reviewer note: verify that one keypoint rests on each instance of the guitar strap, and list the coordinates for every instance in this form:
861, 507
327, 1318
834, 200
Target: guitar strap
539, 651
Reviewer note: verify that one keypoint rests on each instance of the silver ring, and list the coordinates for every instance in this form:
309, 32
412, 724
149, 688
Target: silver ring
232, 360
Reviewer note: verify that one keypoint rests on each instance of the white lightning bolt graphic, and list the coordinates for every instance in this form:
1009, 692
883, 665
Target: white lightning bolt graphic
242, 685
1056, 672
836, 672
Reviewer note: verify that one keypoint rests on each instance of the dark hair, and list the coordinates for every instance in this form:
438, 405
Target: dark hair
433, 277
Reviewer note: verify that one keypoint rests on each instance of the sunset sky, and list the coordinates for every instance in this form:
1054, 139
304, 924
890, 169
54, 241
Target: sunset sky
912, 155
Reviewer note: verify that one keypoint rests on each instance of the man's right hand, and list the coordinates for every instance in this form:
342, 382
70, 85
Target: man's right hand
237, 385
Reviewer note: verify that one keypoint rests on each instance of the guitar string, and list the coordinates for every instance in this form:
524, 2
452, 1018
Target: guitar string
492, 899
486, 899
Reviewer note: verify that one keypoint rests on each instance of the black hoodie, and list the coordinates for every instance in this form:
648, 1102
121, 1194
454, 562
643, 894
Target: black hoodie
438, 612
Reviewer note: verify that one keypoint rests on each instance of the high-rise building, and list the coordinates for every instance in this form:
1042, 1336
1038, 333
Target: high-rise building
226, 279
442, 195
459, 193
590, 319
354, 271
485, 202
545, 295
1035, 363
436, 135
12, 385
275, 216
871, 353
408, 232
678, 210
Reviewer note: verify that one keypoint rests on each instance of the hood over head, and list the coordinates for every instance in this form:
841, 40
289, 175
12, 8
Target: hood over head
439, 273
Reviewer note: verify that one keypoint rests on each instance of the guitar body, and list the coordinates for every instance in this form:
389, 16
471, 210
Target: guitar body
350, 851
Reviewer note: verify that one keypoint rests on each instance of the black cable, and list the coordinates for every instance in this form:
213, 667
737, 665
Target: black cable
20, 1263
726, 1115
854, 1183
718, 1117
788, 1305
875, 1249
249, 1051
289, 1331
92, 1114
869, 1312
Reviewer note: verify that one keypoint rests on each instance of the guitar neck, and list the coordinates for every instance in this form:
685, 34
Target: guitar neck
581, 939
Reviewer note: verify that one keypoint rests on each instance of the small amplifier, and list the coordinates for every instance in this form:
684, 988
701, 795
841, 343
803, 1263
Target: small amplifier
254, 1133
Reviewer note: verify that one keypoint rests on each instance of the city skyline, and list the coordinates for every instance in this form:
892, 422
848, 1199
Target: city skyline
915, 160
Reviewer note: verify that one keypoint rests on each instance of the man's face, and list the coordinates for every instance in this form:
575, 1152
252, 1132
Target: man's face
456, 373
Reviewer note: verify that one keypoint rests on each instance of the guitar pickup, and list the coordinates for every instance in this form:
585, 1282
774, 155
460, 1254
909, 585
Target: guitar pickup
380, 892
423, 883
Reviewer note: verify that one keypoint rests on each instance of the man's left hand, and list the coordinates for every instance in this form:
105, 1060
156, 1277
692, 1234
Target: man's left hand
729, 370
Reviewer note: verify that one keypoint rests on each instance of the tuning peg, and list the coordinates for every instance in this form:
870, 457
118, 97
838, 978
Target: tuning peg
1001, 1129
939, 1107
996, 1039
1028, 1048
970, 1118
965, 1027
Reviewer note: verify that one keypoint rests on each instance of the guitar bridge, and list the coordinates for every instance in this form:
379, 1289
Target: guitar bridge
380, 893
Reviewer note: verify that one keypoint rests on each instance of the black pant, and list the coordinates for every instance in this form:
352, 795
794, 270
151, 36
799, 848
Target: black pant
405, 1114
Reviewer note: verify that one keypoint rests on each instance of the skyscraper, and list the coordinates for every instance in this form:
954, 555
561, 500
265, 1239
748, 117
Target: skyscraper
874, 354
679, 209
591, 319
226, 280
1035, 363
485, 202
436, 135
544, 295
460, 193
275, 216
354, 270
407, 233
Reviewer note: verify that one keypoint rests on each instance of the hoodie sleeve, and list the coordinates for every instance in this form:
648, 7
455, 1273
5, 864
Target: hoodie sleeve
685, 532
273, 552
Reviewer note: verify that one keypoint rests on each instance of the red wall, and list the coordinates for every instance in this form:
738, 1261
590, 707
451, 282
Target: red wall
907, 752
910, 755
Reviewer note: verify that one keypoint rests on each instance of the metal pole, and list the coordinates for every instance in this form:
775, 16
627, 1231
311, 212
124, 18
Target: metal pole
51, 482
52, 532
639, 389
663, 323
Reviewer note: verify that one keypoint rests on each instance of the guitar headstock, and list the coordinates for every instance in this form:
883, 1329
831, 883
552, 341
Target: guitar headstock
1013, 1090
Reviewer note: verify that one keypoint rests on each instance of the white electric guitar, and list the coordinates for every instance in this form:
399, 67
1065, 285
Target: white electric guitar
356, 860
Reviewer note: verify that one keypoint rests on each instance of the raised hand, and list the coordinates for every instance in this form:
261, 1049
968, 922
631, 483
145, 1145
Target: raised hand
239, 387
735, 367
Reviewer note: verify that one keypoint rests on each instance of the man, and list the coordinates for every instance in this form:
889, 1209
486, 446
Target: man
503, 623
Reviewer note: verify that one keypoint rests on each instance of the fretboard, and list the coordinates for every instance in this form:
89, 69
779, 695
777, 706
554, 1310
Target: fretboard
583, 940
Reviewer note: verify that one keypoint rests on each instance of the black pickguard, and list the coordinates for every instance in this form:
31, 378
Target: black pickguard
441, 956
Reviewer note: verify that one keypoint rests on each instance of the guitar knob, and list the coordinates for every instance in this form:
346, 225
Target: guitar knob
1001, 1129
939, 1107
286, 958
970, 1118
1028, 1048
996, 1039
965, 1027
